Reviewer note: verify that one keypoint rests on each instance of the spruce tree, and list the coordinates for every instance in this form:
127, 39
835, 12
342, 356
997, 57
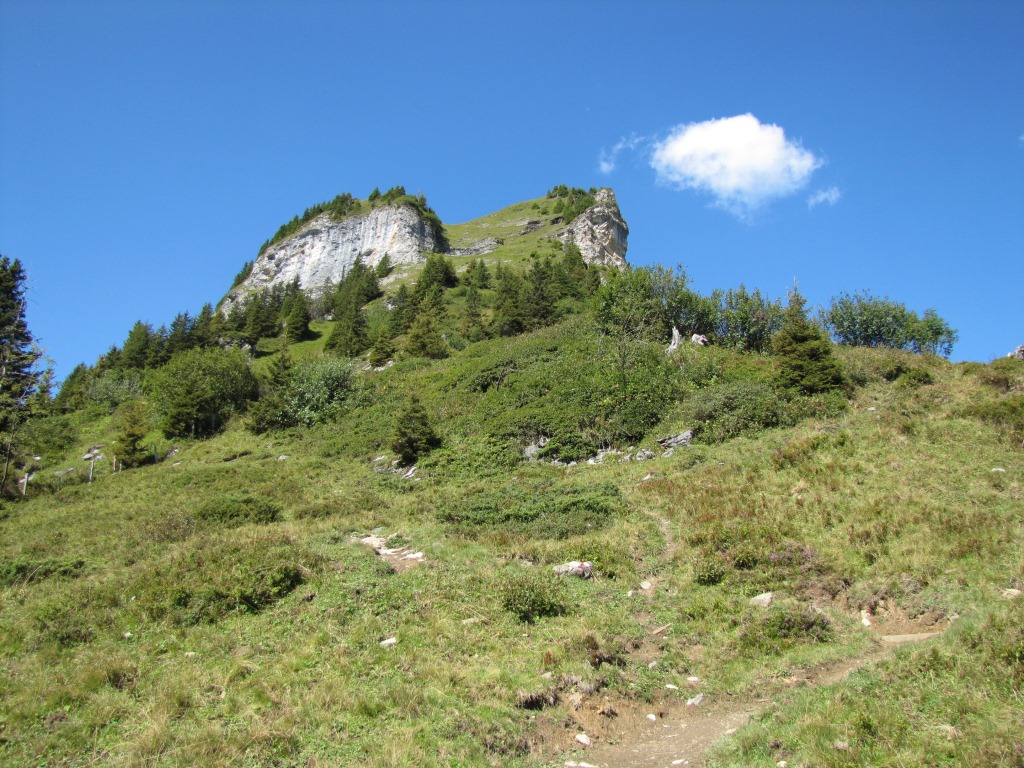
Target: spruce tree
132, 427
805, 353
348, 337
413, 434
472, 319
297, 324
383, 349
424, 338
18, 356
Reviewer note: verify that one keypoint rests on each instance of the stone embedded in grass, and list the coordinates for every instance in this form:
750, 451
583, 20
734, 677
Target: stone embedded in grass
389, 642
583, 739
764, 600
652, 717
580, 569
695, 701
1011, 594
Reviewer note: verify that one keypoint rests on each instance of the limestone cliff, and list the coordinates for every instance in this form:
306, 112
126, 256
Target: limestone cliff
600, 232
325, 249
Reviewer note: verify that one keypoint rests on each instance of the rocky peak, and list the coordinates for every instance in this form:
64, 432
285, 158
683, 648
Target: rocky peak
600, 232
325, 248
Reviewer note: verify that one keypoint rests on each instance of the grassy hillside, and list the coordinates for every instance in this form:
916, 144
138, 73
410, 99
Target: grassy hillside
218, 608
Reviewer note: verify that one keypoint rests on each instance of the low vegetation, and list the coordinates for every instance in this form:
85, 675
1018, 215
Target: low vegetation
212, 601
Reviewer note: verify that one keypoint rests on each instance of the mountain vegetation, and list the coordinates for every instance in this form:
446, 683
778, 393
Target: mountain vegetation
321, 529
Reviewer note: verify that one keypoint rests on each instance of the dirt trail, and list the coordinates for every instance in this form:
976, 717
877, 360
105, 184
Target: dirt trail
683, 735
668, 735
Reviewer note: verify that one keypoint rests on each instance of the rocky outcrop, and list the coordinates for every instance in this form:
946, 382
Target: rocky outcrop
600, 232
325, 249
1018, 353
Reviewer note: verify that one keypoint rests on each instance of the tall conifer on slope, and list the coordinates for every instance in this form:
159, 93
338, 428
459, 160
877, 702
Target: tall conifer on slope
807, 364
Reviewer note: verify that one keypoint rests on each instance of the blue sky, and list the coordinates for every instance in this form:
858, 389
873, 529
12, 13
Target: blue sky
148, 149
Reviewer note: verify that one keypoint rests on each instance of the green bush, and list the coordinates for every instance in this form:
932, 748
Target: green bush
238, 509
776, 629
1006, 413
27, 570
533, 595
413, 433
708, 569
726, 410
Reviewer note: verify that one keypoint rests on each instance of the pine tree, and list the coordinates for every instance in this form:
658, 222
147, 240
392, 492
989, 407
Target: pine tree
133, 426
805, 353
384, 267
424, 338
400, 316
510, 317
413, 434
297, 325
472, 319
137, 347
18, 356
349, 336
383, 349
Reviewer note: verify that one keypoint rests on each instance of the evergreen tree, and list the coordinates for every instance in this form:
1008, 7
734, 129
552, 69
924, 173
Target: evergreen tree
203, 331
137, 347
400, 316
383, 349
132, 427
72, 390
481, 276
413, 434
19, 378
805, 353
510, 316
297, 325
349, 336
472, 319
384, 267
540, 295
424, 338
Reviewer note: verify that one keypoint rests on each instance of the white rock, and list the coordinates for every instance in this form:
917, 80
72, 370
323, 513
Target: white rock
645, 585
390, 641
693, 679
864, 618
763, 600
998, 469
652, 717
283, 457
695, 701
672, 687
583, 739
653, 665
1011, 594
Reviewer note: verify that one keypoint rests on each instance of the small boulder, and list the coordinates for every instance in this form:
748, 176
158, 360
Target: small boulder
1018, 353
644, 455
764, 600
675, 441
580, 569
583, 739
695, 701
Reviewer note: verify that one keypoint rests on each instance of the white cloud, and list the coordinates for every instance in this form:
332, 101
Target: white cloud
739, 161
608, 158
830, 196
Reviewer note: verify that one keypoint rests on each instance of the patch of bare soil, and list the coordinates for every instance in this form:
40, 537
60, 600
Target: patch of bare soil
400, 558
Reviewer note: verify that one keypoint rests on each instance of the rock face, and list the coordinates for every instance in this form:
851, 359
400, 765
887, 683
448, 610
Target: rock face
325, 249
1018, 353
600, 232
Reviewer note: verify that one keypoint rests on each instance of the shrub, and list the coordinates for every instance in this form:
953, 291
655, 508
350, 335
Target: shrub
865, 320
319, 389
1006, 413
776, 629
532, 595
238, 509
805, 355
724, 411
708, 569
26, 570
198, 390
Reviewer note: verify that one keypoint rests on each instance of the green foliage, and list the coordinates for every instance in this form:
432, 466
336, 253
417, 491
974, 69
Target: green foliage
383, 349
243, 274
806, 363
773, 630
297, 324
237, 509
865, 320
413, 433
19, 571
538, 510
198, 391
1005, 413
726, 410
320, 389
530, 596
425, 339
132, 422
570, 202
709, 569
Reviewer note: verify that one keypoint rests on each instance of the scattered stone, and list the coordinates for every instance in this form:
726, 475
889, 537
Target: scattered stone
583, 570
533, 449
667, 452
695, 701
864, 617
126, 635
408, 475
630, 593
700, 339
573, 764
842, 746
672, 687
1011, 594
647, 477
176, 464
382, 457
418, 556
764, 600
781, 764
389, 642
644, 455
653, 665
693, 679
998, 469
583, 739
652, 717
627, 457
872, 409
645, 585
675, 441
283, 457
190, 654
1018, 353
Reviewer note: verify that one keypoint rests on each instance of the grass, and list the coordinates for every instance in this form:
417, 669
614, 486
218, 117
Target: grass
215, 608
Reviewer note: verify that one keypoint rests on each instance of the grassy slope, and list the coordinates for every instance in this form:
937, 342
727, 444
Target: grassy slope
102, 662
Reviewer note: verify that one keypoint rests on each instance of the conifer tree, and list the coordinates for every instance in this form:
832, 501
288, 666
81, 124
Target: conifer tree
399, 318
510, 316
806, 361
424, 338
472, 319
384, 267
297, 325
132, 427
383, 349
413, 434
137, 347
349, 336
